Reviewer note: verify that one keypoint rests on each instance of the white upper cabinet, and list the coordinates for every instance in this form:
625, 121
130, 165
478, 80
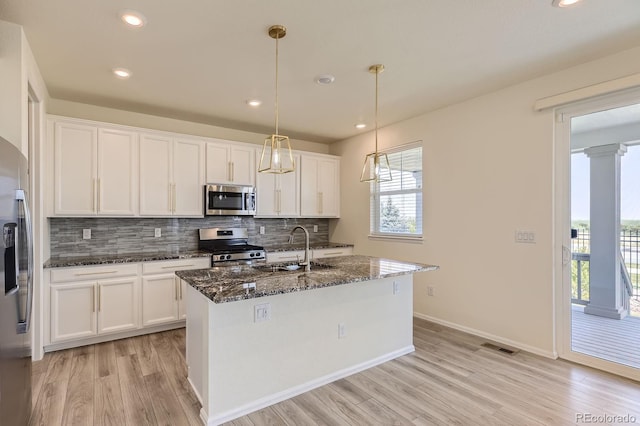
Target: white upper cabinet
320, 186
95, 171
171, 176
278, 195
230, 163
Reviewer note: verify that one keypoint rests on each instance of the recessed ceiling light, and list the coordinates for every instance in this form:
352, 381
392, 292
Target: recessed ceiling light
254, 102
564, 3
122, 73
360, 126
133, 18
324, 79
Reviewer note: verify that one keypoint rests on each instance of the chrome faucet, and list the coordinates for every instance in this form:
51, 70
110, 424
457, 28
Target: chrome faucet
306, 262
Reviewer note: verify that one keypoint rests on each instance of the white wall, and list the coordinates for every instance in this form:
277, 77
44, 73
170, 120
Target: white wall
10, 83
488, 171
117, 116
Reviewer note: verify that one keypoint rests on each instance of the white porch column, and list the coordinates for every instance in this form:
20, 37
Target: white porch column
605, 289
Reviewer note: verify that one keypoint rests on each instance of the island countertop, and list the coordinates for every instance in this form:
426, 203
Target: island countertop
234, 283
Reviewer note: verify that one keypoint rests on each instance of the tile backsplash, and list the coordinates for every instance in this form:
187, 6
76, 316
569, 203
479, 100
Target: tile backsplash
136, 235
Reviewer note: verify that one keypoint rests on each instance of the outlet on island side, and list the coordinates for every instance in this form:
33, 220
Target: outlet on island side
431, 291
342, 330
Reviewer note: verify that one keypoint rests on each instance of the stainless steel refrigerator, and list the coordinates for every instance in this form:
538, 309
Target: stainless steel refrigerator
16, 284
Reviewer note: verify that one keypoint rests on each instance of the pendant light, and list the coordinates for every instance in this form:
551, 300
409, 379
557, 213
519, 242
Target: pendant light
276, 152
376, 164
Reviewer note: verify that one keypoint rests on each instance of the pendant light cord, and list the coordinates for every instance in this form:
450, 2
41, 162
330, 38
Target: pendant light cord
377, 72
277, 37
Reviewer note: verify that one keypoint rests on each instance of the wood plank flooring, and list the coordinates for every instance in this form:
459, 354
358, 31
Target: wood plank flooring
450, 379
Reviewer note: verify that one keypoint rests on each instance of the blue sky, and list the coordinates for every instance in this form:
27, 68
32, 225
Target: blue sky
630, 188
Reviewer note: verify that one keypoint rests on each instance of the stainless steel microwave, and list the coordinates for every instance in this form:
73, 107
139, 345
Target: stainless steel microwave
229, 200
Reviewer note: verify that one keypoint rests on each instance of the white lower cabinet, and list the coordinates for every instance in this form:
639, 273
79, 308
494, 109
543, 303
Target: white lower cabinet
99, 303
163, 292
73, 313
89, 301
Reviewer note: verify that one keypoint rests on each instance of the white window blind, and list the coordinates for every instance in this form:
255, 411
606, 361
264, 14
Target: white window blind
396, 206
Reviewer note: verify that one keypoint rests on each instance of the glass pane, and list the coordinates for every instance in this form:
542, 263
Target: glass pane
401, 214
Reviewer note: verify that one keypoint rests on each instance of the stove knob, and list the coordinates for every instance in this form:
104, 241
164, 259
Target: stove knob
228, 256
252, 254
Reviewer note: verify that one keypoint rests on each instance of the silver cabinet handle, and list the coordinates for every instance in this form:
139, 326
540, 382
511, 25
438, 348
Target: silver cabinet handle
332, 252
93, 299
171, 198
229, 176
94, 196
175, 287
99, 298
173, 208
233, 171
98, 197
180, 288
321, 202
173, 267
95, 273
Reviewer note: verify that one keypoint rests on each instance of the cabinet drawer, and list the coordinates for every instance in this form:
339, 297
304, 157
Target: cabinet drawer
333, 252
86, 273
165, 266
285, 256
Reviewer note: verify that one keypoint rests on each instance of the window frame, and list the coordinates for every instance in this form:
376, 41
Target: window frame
375, 196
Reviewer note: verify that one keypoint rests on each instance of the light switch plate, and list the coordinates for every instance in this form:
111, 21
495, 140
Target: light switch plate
315, 228
262, 230
157, 232
86, 234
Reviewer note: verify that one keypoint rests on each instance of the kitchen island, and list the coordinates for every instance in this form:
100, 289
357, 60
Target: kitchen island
257, 335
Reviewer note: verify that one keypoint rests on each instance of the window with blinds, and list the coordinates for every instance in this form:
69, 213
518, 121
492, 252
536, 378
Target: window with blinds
396, 206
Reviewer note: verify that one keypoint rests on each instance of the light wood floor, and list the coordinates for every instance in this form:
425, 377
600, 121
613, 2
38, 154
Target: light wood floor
606, 338
450, 379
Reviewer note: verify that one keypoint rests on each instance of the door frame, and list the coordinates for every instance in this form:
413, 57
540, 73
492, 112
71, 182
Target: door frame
562, 225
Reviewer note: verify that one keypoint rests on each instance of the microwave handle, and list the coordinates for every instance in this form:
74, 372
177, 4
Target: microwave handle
249, 201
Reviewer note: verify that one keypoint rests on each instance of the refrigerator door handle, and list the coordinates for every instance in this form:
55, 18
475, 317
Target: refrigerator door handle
24, 325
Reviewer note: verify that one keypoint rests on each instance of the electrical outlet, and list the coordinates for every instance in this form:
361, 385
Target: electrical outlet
342, 330
157, 233
262, 230
315, 228
431, 291
396, 287
86, 234
262, 312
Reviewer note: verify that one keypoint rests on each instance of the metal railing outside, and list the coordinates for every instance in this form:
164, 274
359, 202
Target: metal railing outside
580, 253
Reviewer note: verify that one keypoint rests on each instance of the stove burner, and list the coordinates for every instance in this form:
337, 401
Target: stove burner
228, 245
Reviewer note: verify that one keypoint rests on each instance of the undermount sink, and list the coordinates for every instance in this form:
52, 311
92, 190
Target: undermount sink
289, 267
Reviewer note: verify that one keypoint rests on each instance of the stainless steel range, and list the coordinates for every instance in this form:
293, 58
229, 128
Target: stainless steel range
230, 246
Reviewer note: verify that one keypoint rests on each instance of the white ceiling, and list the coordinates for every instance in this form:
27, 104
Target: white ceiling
200, 60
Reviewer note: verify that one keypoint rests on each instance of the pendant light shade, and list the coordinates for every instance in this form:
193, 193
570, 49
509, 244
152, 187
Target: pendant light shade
276, 152
376, 164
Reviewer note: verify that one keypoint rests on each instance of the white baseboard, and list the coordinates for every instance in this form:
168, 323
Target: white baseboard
493, 337
297, 390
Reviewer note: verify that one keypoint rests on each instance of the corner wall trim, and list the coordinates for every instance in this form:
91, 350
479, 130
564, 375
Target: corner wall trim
498, 339
592, 91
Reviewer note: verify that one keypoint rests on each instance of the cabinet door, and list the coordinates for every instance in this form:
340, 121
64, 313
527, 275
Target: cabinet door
73, 311
182, 305
266, 195
117, 184
329, 187
160, 296
188, 178
309, 197
118, 305
243, 168
289, 195
156, 198
218, 159
75, 169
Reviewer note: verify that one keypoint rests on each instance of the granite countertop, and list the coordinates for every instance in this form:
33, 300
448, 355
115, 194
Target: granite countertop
62, 262
226, 284
272, 248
